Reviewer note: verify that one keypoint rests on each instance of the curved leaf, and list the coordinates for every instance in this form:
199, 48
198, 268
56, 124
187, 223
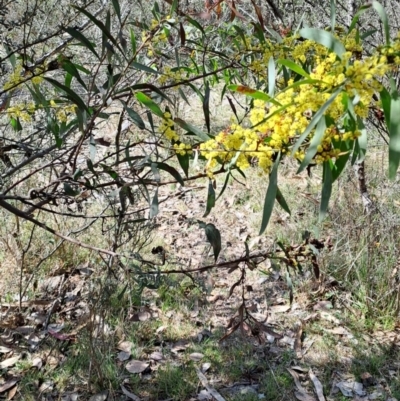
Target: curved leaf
294, 67
270, 195
214, 238
150, 104
210, 199
324, 38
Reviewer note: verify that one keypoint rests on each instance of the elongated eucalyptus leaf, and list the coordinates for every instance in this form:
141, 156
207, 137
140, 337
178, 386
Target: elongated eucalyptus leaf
81, 38
71, 69
154, 205
314, 121
150, 104
326, 190
271, 77
325, 39
355, 19
394, 132
386, 103
171, 170
133, 41
135, 117
174, 6
206, 106
117, 9
270, 195
294, 67
225, 184
314, 143
144, 68
191, 128
333, 15
71, 95
184, 162
362, 140
282, 201
245, 90
210, 198
214, 238
384, 18
100, 25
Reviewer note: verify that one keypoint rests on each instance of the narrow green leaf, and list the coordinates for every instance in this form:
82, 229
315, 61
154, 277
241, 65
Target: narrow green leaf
100, 25
282, 201
10, 55
367, 34
210, 198
270, 195
171, 170
245, 90
135, 117
315, 119
206, 106
81, 38
341, 161
145, 100
191, 128
133, 41
333, 15
154, 206
195, 24
384, 18
225, 184
394, 132
214, 238
73, 96
271, 77
174, 6
71, 69
144, 68
117, 9
15, 124
294, 67
314, 143
326, 190
184, 162
362, 140
386, 102
355, 19
325, 39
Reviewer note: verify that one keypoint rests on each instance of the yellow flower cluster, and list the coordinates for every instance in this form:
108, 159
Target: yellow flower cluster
19, 76
62, 112
166, 128
276, 126
22, 111
182, 148
171, 76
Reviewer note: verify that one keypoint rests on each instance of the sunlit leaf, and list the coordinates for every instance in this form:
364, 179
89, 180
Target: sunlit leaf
150, 104
255, 94
294, 67
324, 38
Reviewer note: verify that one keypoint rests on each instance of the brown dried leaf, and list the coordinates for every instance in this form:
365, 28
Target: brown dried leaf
297, 341
318, 386
279, 308
136, 366
12, 393
125, 346
129, 394
9, 362
8, 384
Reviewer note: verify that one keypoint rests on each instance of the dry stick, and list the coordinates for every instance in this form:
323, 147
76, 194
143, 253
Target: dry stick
214, 393
23, 215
